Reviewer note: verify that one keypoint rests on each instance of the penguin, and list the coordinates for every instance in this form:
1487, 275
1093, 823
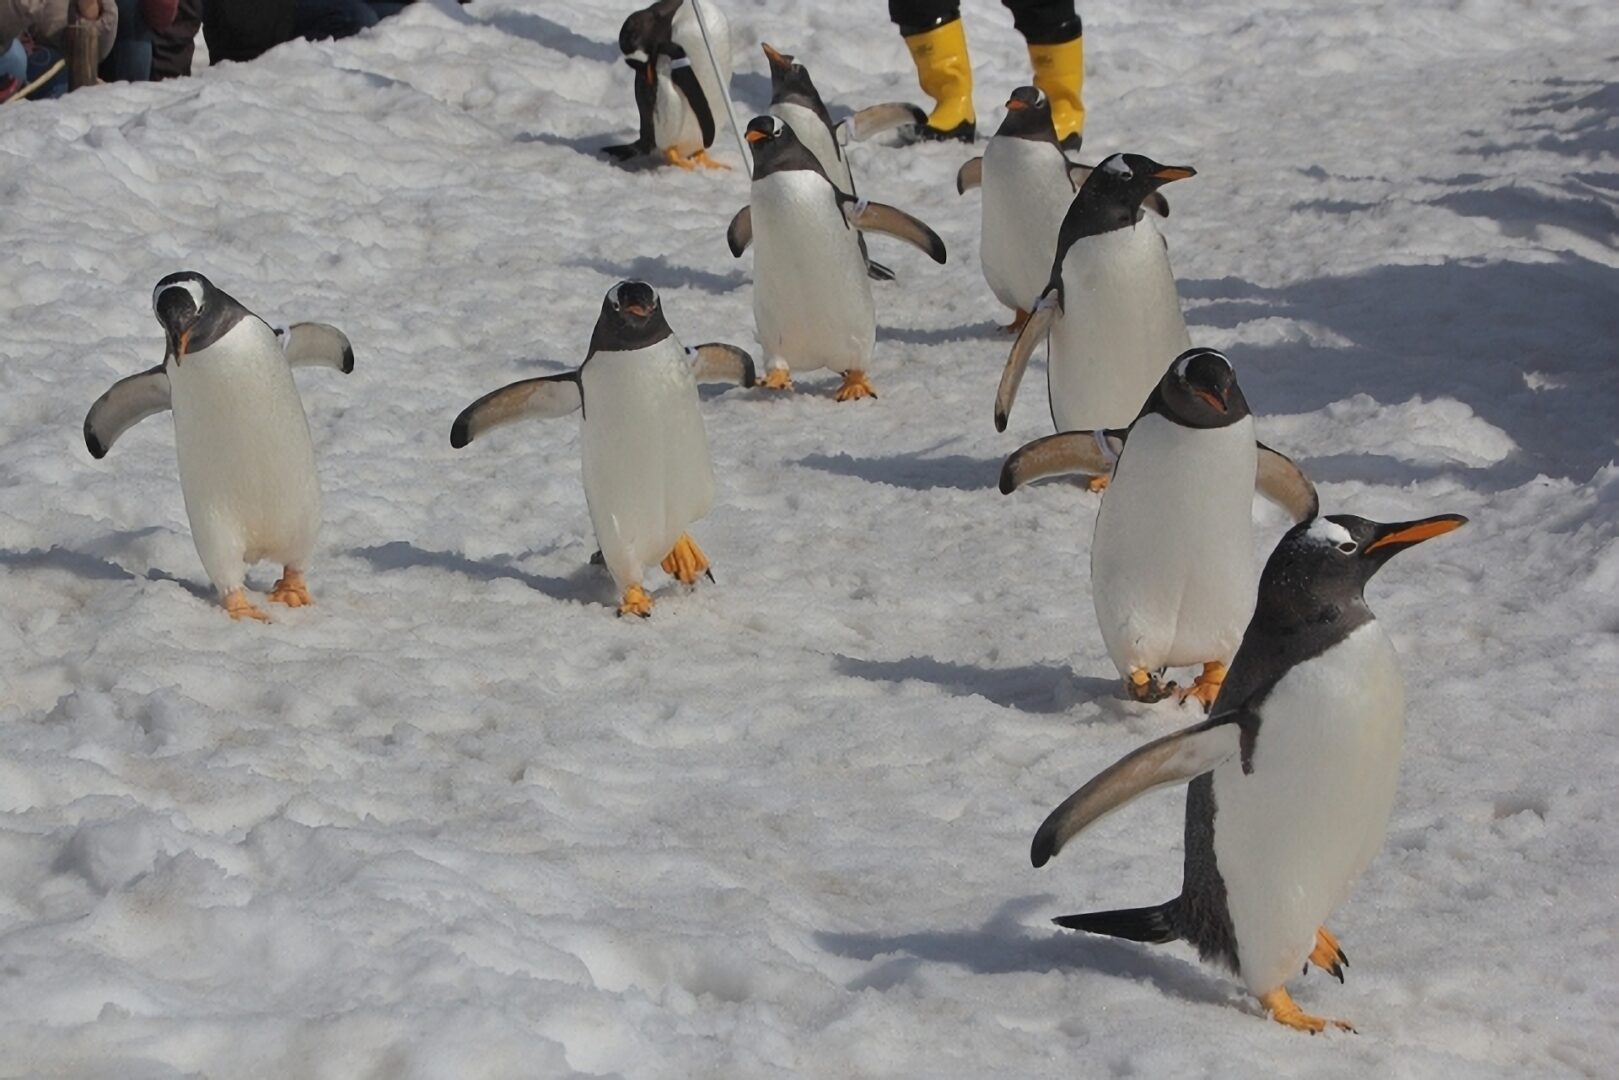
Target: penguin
647, 471
1168, 595
677, 89
811, 296
1109, 304
1028, 184
241, 440
793, 98
1292, 775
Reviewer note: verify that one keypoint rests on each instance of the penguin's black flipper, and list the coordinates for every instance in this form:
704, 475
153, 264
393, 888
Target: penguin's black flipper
875, 119
1077, 174
529, 399
1153, 925
684, 77
970, 175
739, 234
311, 344
646, 93
1281, 481
1088, 453
882, 218
1173, 759
1029, 338
719, 362
126, 403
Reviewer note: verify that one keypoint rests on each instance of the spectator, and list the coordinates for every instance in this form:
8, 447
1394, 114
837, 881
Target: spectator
243, 29
45, 22
131, 56
172, 48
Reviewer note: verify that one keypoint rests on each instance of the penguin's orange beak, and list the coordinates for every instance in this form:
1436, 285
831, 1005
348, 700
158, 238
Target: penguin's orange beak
1213, 399
1173, 172
640, 311
755, 136
1406, 533
1013, 105
776, 58
185, 343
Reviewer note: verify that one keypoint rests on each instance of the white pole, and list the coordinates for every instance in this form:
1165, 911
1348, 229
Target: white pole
725, 89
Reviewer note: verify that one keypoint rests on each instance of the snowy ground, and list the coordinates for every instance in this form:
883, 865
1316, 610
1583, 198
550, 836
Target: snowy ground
458, 820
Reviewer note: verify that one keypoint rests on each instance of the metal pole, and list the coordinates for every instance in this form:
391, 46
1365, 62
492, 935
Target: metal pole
725, 89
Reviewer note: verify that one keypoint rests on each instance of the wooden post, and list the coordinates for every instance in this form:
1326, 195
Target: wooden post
80, 43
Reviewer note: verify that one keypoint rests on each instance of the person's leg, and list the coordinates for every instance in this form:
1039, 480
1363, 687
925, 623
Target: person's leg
937, 39
14, 62
320, 19
1054, 34
131, 57
174, 46
385, 8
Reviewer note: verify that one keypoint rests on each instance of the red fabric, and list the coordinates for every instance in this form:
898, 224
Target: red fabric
160, 13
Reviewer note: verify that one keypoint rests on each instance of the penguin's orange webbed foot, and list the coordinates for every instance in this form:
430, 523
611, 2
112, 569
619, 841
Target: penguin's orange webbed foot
778, 379
855, 386
1144, 686
1017, 322
1328, 955
702, 158
239, 607
673, 157
1206, 687
636, 602
1282, 1008
1098, 483
686, 561
291, 590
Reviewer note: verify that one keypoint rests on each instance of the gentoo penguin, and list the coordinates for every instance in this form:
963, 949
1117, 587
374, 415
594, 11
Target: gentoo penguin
1109, 304
646, 467
247, 467
811, 296
1028, 184
1172, 561
1292, 774
679, 93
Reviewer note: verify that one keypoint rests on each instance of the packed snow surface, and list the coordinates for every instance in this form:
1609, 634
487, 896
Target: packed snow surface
457, 820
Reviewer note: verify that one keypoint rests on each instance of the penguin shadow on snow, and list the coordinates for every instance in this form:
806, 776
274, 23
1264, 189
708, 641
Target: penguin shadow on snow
90, 566
663, 275
1032, 688
941, 335
534, 27
916, 471
1472, 331
586, 585
591, 146
1006, 945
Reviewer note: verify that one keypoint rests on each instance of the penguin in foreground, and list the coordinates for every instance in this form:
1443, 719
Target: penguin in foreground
1292, 775
1172, 561
1109, 305
811, 296
679, 93
1028, 185
645, 455
247, 466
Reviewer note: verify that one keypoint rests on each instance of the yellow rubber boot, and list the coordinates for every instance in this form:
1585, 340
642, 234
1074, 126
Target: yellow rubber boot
1059, 70
945, 73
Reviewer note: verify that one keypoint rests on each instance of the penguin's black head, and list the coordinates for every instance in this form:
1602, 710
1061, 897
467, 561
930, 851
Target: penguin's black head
631, 318
1324, 564
1200, 391
181, 301
647, 30
775, 147
1028, 116
790, 81
1115, 188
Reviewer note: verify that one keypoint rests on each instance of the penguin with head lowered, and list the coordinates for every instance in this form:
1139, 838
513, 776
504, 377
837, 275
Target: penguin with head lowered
247, 466
1028, 184
1172, 560
645, 456
679, 93
811, 296
1292, 775
1109, 305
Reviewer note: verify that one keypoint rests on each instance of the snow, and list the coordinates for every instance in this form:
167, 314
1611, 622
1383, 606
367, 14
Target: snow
458, 820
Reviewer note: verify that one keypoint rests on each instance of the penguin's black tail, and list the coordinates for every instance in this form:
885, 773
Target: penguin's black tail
1155, 925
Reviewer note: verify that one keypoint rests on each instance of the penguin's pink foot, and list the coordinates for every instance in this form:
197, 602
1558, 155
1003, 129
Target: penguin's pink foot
1098, 483
674, 157
636, 602
1327, 955
1142, 685
291, 590
238, 606
855, 386
1017, 322
1285, 1011
778, 379
702, 158
685, 562
1206, 687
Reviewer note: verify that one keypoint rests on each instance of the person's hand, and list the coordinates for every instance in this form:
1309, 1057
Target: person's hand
88, 10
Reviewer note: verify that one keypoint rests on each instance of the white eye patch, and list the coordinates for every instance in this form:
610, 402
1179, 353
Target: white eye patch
1186, 359
1329, 532
191, 287
1117, 167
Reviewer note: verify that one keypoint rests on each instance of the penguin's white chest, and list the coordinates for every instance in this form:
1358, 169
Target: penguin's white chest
1291, 837
1026, 192
247, 466
818, 140
674, 124
1173, 572
1120, 328
811, 298
646, 466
